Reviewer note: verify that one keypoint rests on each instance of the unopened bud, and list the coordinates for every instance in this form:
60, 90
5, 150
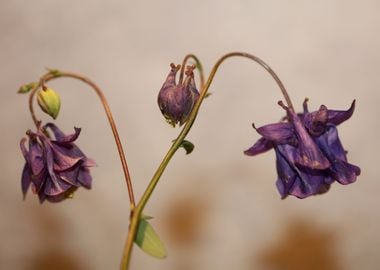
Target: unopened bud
49, 102
27, 87
177, 100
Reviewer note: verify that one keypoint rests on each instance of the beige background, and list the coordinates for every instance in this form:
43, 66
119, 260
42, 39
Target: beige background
215, 209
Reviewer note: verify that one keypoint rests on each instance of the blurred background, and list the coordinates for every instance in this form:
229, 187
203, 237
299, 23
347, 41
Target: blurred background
216, 208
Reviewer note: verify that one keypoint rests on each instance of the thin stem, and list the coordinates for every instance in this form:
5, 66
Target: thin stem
50, 76
177, 143
199, 68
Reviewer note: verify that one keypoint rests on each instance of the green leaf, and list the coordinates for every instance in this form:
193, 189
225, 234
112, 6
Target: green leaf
148, 240
54, 72
49, 101
208, 94
188, 146
27, 87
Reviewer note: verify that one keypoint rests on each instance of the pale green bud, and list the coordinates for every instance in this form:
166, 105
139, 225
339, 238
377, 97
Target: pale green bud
27, 87
49, 102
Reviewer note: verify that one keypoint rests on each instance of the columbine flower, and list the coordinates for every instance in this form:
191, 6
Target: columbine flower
54, 168
177, 100
309, 154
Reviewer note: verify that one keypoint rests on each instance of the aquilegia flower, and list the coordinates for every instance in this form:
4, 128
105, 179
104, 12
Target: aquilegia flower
177, 100
309, 154
54, 168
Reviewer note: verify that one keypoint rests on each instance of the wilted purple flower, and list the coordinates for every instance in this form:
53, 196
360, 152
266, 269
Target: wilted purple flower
54, 168
309, 154
177, 100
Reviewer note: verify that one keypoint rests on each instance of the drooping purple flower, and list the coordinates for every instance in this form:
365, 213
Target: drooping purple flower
309, 154
54, 169
177, 100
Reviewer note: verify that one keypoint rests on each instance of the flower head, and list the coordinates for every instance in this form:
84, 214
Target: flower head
177, 100
54, 168
309, 154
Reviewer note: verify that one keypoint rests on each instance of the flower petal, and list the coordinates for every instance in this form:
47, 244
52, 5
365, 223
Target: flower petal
63, 161
71, 176
342, 171
286, 174
299, 182
85, 178
26, 179
261, 146
278, 133
337, 117
315, 122
308, 154
60, 137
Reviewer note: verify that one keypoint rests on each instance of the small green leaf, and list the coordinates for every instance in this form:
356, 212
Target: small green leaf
208, 94
54, 72
49, 102
148, 240
27, 87
188, 146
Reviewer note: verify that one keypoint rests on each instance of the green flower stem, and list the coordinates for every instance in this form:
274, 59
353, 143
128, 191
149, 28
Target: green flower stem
54, 74
136, 213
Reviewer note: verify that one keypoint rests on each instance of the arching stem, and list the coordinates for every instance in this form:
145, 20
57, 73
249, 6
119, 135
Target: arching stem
177, 143
58, 74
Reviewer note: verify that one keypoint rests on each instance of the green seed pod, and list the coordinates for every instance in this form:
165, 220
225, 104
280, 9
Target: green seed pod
49, 102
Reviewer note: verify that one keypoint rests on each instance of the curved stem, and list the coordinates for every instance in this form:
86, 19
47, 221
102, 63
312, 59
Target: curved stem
53, 75
177, 143
199, 68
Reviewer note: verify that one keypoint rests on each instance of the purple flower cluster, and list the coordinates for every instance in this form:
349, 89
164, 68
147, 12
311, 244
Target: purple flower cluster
309, 154
177, 100
54, 168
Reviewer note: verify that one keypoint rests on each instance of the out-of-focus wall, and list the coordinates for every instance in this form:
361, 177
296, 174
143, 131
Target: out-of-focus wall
216, 208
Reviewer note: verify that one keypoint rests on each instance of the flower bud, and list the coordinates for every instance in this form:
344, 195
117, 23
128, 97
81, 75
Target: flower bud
27, 87
177, 100
49, 102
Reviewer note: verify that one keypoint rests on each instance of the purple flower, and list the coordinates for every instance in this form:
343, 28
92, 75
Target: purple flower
177, 100
54, 168
309, 154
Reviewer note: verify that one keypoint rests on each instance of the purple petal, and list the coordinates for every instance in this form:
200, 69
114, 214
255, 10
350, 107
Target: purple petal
315, 122
309, 154
24, 151
62, 161
337, 117
307, 184
71, 176
35, 156
61, 138
25, 179
286, 174
170, 79
278, 133
261, 146
52, 180
88, 162
345, 173
56, 188
299, 182
329, 143
85, 178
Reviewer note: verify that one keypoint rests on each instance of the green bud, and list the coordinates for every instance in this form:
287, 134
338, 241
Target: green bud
49, 102
27, 87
